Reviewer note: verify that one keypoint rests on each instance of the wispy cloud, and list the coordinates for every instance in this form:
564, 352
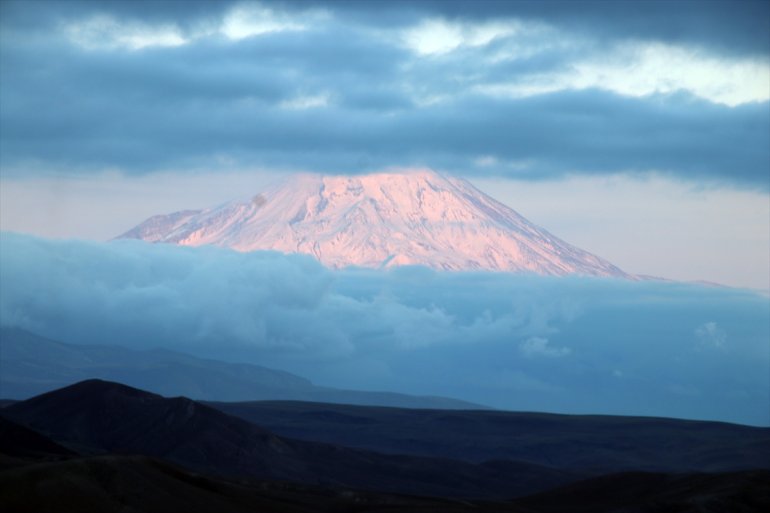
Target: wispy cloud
438, 36
254, 19
241, 21
639, 70
106, 32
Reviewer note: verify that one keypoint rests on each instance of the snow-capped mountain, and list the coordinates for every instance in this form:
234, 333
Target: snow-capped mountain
380, 220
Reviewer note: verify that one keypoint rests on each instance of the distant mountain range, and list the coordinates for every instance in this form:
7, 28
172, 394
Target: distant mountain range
380, 220
31, 365
102, 446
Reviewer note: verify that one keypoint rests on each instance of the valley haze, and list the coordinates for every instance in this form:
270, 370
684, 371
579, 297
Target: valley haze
515, 341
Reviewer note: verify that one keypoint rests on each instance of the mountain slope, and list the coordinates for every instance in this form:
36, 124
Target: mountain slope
601, 443
100, 416
18, 441
117, 483
380, 220
639, 492
97, 415
31, 365
138, 484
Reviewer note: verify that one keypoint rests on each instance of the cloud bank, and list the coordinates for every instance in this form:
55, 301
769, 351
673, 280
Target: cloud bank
517, 89
510, 341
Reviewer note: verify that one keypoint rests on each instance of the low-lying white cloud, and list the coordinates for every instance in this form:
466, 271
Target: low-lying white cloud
511, 341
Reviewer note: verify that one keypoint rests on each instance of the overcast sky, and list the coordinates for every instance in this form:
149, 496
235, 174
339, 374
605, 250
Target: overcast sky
637, 130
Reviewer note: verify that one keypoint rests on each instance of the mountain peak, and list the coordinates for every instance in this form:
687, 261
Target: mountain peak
100, 386
410, 217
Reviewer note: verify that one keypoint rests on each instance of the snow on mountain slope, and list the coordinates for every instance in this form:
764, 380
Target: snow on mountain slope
380, 220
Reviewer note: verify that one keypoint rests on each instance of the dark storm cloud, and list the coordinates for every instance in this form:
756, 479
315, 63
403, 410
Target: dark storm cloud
511, 341
145, 113
46, 14
731, 27
727, 26
344, 96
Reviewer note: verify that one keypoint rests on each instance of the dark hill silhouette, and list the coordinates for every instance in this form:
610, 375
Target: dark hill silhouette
597, 443
97, 415
119, 483
101, 416
18, 441
640, 492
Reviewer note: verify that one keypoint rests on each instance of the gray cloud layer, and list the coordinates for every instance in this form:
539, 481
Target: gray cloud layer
218, 103
728, 26
572, 345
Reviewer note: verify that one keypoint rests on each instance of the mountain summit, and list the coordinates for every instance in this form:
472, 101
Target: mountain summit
380, 220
